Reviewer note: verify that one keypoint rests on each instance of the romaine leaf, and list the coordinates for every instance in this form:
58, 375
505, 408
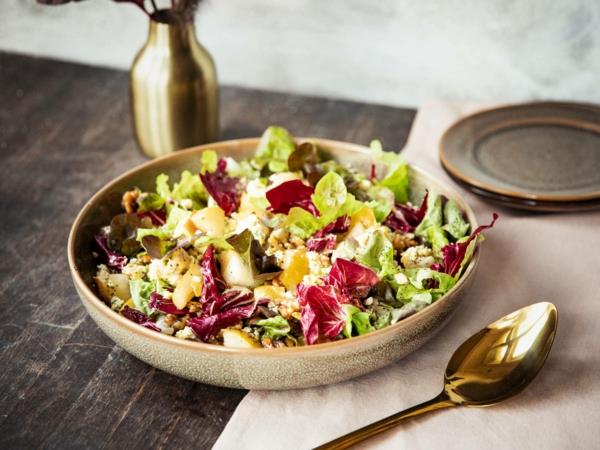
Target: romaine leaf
275, 327
209, 160
455, 224
275, 147
150, 201
358, 320
433, 216
302, 223
396, 177
378, 254
330, 193
437, 238
140, 294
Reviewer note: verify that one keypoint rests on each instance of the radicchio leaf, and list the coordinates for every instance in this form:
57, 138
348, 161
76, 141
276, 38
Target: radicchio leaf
220, 309
139, 317
322, 313
405, 218
113, 259
165, 305
321, 244
454, 253
288, 194
212, 282
222, 188
208, 326
324, 239
352, 279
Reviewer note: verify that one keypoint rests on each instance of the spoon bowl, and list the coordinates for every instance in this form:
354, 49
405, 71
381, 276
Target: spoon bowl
503, 358
493, 365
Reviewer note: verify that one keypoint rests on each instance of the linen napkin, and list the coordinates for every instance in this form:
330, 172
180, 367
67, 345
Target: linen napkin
527, 257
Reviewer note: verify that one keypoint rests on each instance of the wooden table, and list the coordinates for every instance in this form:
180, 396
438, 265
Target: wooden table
64, 132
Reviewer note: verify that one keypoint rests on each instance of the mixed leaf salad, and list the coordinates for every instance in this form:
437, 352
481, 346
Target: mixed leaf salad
284, 249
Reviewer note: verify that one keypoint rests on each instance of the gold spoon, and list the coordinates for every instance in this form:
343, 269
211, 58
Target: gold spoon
489, 367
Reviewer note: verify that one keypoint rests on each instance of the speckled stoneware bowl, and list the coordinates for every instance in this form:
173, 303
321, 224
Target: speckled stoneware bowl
281, 368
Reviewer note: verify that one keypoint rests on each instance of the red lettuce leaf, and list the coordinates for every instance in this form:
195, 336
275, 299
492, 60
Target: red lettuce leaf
339, 225
158, 217
324, 239
220, 308
405, 218
352, 279
208, 326
139, 317
285, 196
114, 260
222, 188
212, 283
165, 305
322, 313
454, 253
321, 244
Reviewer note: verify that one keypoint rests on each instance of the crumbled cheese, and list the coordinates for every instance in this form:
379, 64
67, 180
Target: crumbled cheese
252, 223
418, 256
170, 268
135, 270
186, 333
318, 265
400, 278
164, 328
186, 203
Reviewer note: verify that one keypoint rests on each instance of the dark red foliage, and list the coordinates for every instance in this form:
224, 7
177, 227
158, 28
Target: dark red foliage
352, 279
321, 244
322, 313
165, 305
285, 196
405, 218
114, 260
454, 253
224, 190
212, 282
139, 317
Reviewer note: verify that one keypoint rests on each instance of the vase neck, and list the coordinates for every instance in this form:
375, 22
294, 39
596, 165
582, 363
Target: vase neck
176, 37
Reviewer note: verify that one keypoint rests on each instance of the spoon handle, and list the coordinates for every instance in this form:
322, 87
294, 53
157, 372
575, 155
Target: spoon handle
350, 439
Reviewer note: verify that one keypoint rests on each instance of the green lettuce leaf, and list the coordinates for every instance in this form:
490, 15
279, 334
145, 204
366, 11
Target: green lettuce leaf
433, 216
396, 178
455, 224
275, 327
149, 201
140, 294
302, 223
378, 254
330, 193
356, 320
417, 286
209, 160
437, 239
275, 147
382, 201
189, 187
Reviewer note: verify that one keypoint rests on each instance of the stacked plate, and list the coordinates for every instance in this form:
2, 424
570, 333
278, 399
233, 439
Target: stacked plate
538, 156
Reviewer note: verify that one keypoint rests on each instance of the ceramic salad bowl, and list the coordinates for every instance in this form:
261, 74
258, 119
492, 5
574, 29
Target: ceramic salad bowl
254, 368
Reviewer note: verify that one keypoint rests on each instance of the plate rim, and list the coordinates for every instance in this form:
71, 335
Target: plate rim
456, 173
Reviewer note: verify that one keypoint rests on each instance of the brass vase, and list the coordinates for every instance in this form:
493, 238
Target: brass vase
174, 90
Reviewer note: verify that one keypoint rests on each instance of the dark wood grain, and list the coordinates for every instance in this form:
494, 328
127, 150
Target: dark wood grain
64, 132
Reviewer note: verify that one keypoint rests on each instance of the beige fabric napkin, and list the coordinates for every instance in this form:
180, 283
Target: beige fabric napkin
527, 258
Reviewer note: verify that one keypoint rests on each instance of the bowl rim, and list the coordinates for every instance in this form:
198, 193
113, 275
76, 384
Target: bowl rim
89, 297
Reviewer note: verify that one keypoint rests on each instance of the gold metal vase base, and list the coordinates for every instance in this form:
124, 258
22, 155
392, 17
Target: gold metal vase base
174, 90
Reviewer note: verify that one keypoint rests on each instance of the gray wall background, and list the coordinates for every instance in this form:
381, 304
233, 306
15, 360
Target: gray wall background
395, 52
